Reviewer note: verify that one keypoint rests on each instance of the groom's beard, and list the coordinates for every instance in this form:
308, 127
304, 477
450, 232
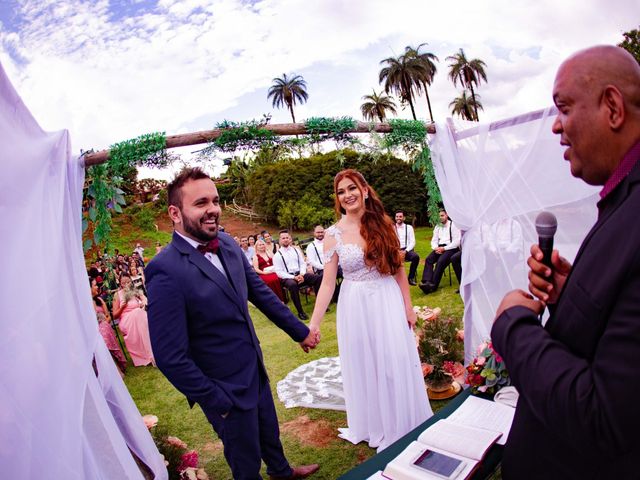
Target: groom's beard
197, 228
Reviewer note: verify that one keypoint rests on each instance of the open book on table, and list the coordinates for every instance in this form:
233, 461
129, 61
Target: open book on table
453, 447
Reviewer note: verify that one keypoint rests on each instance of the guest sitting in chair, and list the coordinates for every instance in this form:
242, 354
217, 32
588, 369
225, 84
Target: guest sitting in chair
445, 244
407, 244
263, 265
293, 271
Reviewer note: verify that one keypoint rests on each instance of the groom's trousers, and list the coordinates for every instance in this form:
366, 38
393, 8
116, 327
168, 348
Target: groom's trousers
251, 435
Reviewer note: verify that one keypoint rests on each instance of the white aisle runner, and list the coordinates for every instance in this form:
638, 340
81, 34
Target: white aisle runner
316, 384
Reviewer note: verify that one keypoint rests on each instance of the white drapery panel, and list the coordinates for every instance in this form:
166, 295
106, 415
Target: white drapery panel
57, 419
495, 179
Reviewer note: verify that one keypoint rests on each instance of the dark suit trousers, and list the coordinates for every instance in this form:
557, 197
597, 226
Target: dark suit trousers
312, 280
414, 258
251, 435
440, 261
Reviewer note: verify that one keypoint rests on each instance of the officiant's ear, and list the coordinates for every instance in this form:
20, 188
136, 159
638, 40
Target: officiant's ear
175, 214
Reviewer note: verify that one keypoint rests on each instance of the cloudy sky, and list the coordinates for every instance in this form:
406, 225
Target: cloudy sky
112, 70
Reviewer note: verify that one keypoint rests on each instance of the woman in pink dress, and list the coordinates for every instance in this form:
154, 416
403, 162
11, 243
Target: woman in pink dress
129, 306
105, 329
263, 265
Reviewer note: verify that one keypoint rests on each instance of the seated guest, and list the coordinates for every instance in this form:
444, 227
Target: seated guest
105, 328
136, 257
129, 306
137, 276
248, 251
315, 249
263, 265
445, 243
315, 257
252, 241
272, 247
293, 271
407, 244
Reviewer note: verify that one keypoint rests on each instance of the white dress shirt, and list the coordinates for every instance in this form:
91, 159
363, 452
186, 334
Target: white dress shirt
447, 235
208, 255
289, 260
406, 236
314, 254
249, 253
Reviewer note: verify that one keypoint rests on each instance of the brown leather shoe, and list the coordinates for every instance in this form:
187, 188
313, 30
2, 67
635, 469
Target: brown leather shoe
303, 471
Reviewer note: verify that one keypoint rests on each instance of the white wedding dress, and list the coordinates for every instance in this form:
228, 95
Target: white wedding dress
383, 384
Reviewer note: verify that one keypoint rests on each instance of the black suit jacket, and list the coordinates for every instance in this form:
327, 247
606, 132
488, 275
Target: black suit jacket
202, 337
579, 377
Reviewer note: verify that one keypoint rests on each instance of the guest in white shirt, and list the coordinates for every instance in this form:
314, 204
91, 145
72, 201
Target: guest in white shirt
248, 251
445, 244
407, 244
293, 271
315, 257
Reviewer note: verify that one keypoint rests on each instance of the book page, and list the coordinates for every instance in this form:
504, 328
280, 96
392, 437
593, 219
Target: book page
480, 413
470, 442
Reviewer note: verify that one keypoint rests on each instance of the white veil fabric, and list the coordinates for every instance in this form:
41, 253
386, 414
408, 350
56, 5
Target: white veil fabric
57, 419
495, 179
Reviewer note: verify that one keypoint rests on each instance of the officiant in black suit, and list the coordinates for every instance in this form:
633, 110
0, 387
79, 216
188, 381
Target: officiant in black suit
579, 376
203, 338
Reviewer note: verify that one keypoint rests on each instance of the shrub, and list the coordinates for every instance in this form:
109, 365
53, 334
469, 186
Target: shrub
144, 219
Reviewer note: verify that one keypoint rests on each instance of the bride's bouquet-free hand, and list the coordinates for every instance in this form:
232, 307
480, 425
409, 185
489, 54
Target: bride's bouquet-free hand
488, 372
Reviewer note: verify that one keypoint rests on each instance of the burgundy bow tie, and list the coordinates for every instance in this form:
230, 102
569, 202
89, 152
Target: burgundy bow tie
211, 246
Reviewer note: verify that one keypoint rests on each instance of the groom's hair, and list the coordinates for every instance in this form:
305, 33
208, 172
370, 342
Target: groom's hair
174, 189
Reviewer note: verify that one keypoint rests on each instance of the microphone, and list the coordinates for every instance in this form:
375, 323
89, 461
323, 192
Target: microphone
546, 226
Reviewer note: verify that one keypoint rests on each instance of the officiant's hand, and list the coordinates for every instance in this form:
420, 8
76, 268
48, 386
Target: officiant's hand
520, 298
544, 282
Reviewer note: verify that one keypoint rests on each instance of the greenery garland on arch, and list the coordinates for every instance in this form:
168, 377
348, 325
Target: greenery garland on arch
408, 135
102, 192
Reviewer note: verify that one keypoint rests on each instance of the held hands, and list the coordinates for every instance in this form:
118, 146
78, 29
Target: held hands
312, 340
440, 250
544, 282
519, 298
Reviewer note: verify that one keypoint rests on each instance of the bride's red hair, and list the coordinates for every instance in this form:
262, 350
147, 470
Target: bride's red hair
382, 248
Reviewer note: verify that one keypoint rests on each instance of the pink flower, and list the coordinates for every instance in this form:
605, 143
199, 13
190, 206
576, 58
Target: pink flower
460, 335
480, 361
426, 369
481, 347
176, 442
150, 421
188, 460
498, 357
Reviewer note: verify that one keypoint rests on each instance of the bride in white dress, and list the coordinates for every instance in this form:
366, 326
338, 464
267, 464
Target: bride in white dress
383, 385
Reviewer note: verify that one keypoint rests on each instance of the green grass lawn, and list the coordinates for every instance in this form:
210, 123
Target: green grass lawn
309, 435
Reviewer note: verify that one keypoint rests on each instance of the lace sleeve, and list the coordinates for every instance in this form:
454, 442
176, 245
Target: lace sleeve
334, 234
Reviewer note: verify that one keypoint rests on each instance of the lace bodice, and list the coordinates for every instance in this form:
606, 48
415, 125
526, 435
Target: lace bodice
351, 258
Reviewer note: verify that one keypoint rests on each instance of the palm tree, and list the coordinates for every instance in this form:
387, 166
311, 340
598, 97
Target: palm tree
426, 59
402, 75
288, 91
466, 107
376, 105
467, 71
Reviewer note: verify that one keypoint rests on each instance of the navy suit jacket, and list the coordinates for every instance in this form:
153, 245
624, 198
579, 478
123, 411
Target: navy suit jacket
579, 377
202, 336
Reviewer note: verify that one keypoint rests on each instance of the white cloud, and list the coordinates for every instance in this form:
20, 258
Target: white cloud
183, 62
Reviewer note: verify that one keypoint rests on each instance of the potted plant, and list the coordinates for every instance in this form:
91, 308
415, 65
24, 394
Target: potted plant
439, 346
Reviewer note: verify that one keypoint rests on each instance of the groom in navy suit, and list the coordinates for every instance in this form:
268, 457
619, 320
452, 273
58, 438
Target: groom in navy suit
203, 338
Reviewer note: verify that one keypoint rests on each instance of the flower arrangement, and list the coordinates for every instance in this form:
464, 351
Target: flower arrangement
182, 464
488, 372
439, 345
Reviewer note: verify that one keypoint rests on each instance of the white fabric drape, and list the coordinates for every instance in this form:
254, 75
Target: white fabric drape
57, 420
495, 179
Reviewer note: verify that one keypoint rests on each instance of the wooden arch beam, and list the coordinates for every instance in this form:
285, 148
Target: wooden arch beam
282, 129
